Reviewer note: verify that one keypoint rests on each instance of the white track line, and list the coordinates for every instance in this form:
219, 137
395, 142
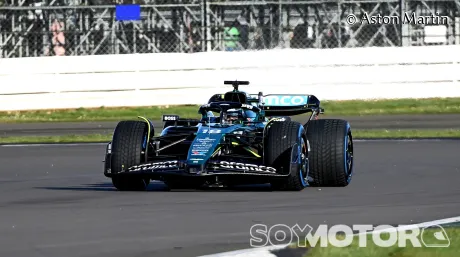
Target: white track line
265, 251
251, 252
420, 225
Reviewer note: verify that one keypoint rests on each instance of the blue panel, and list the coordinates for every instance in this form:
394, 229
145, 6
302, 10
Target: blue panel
128, 12
205, 143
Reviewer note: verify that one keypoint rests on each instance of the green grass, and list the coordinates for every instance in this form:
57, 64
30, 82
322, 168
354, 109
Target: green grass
399, 106
406, 133
357, 134
373, 250
337, 108
57, 139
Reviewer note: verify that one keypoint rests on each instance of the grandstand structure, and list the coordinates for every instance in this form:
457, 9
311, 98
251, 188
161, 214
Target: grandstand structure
31, 28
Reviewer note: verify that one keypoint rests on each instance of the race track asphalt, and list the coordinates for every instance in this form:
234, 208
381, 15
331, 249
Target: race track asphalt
445, 121
55, 201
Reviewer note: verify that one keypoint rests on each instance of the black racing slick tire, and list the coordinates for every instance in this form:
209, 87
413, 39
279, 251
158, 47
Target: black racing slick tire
331, 155
127, 150
286, 149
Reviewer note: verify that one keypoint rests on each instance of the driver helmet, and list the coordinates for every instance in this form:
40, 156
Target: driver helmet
234, 115
250, 115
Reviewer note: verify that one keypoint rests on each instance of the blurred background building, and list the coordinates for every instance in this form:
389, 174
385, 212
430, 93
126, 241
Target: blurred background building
89, 27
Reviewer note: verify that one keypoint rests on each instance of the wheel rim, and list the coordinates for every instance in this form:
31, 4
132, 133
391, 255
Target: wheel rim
144, 142
349, 155
303, 163
144, 156
144, 148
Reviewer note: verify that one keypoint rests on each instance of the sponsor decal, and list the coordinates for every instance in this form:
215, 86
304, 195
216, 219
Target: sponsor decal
245, 167
155, 166
279, 119
199, 153
170, 117
211, 131
286, 100
195, 160
201, 146
247, 106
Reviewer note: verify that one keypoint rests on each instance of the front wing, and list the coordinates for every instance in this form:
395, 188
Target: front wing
212, 168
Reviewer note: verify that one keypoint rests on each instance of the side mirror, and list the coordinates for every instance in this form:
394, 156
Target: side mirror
261, 99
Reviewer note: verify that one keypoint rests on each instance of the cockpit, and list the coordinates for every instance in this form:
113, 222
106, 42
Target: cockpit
228, 113
231, 116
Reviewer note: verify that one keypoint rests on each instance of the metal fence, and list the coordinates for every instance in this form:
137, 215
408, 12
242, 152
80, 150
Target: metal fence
75, 27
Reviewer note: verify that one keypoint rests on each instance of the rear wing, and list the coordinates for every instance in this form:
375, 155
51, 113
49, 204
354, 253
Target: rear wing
289, 105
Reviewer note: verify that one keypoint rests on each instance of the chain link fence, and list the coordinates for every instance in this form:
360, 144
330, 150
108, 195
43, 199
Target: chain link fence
89, 27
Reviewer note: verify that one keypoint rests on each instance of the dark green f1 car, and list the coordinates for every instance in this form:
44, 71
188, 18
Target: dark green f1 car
240, 139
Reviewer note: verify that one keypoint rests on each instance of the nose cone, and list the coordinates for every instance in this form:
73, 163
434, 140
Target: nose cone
204, 145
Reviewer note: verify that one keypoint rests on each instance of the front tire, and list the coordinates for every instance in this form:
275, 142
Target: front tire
331, 157
127, 147
286, 149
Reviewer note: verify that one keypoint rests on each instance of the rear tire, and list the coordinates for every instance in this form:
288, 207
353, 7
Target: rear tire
286, 141
127, 147
331, 156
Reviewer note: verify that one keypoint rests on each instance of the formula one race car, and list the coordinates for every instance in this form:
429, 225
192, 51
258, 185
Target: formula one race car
240, 139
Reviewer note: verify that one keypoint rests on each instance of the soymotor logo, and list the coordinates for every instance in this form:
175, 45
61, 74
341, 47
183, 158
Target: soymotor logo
343, 236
